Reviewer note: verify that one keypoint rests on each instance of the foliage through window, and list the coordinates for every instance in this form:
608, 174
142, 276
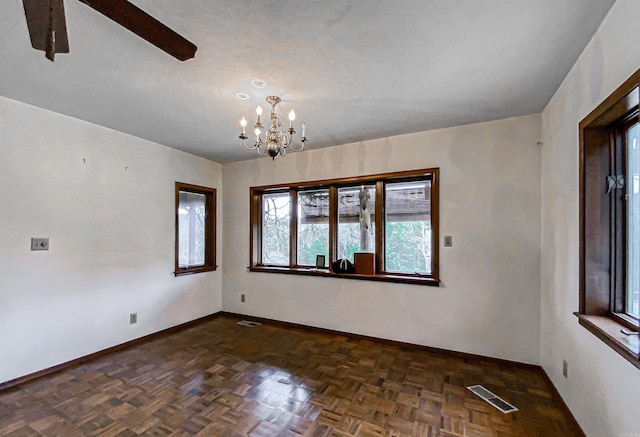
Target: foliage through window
408, 233
356, 220
313, 226
276, 229
610, 220
392, 216
195, 229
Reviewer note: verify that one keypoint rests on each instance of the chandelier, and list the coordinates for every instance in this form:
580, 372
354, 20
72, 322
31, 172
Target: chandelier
275, 140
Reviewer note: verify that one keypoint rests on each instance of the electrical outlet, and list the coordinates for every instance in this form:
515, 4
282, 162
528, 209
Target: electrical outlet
242, 298
39, 244
565, 369
133, 318
448, 241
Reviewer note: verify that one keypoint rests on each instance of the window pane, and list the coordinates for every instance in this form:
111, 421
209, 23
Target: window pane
356, 220
633, 221
275, 229
408, 227
313, 226
191, 229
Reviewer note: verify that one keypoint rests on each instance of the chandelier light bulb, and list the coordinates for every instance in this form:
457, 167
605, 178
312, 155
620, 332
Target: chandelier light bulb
259, 110
243, 123
304, 128
257, 131
292, 115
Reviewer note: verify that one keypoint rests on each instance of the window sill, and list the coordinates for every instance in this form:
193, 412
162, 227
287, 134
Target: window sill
309, 271
183, 272
609, 331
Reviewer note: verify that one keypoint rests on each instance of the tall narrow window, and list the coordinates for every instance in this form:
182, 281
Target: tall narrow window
610, 220
633, 221
408, 238
356, 220
195, 229
276, 229
313, 226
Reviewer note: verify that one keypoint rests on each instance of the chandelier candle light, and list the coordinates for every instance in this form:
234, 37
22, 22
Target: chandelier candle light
275, 141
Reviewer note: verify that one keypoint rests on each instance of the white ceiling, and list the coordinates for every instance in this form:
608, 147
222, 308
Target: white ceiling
354, 69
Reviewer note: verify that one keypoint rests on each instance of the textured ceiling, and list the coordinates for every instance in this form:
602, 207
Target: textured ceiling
354, 69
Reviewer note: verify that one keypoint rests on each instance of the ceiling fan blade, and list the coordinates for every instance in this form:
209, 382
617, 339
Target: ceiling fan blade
38, 21
145, 26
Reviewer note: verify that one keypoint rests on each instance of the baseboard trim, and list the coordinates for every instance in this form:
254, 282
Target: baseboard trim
101, 353
564, 406
413, 346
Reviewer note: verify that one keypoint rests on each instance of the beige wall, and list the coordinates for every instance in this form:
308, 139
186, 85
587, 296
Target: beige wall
602, 388
489, 302
106, 201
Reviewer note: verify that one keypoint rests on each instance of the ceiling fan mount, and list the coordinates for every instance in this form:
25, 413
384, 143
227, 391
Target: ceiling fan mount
48, 30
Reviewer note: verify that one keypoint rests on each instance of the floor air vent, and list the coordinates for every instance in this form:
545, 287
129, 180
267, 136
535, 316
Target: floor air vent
494, 400
249, 323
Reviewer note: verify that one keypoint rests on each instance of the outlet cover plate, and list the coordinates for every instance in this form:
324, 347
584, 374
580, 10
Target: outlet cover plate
39, 244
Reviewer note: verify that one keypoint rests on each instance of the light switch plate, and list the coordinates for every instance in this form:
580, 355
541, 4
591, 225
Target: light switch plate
448, 241
39, 244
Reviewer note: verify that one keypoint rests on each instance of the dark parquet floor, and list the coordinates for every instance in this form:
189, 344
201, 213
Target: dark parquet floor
221, 379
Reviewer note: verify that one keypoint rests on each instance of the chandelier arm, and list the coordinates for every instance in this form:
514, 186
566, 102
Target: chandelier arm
295, 149
261, 148
244, 143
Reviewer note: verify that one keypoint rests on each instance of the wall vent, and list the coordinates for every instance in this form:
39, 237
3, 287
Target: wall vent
249, 323
494, 400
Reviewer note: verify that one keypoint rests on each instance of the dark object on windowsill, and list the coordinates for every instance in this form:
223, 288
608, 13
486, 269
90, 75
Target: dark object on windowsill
342, 266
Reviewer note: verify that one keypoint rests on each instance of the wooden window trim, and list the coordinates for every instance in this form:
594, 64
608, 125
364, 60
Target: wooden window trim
602, 240
210, 229
255, 240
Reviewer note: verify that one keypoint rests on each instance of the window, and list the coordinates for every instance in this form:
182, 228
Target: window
195, 229
408, 227
392, 216
275, 229
356, 220
610, 220
313, 226
633, 221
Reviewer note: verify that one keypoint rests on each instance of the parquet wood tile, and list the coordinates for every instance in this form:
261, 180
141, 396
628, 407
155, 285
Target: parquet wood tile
222, 379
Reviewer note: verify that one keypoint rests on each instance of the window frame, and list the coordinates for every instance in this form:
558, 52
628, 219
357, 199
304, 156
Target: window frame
211, 223
379, 181
602, 215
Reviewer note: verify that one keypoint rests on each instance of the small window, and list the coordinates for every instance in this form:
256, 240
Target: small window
195, 229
